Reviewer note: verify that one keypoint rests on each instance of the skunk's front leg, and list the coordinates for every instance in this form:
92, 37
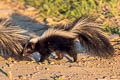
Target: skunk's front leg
44, 55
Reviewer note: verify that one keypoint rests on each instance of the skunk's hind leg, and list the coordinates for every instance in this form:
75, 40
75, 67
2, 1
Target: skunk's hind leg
73, 54
75, 57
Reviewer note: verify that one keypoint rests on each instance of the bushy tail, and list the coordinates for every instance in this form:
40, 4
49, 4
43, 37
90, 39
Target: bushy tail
92, 38
11, 38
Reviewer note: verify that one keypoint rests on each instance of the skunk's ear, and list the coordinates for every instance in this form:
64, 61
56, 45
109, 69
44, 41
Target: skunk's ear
30, 46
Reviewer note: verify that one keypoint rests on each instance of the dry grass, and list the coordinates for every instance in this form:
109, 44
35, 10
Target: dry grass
11, 38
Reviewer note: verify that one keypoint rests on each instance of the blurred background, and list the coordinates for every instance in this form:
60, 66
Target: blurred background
106, 12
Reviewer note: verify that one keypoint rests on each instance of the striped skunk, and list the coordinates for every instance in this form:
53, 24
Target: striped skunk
89, 34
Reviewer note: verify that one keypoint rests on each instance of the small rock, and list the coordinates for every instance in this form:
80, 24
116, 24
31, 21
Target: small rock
27, 62
35, 72
70, 66
111, 63
31, 75
20, 76
80, 63
59, 72
13, 61
39, 63
36, 67
52, 63
61, 77
104, 77
26, 75
23, 78
7, 64
2, 67
46, 68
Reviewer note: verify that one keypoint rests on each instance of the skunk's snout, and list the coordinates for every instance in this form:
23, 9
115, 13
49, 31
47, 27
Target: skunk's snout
23, 54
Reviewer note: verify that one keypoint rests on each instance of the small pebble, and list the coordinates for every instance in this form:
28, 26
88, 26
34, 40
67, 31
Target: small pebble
7, 64
26, 75
46, 68
104, 77
13, 61
27, 62
20, 76
61, 77
52, 63
39, 63
70, 66
2, 67
36, 67
31, 75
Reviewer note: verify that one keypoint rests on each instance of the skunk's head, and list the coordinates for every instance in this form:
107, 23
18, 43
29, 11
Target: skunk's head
29, 47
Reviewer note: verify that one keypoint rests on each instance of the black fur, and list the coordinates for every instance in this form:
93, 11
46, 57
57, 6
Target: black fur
61, 41
45, 46
91, 36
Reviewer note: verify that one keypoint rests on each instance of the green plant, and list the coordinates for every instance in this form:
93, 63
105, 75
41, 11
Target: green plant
73, 9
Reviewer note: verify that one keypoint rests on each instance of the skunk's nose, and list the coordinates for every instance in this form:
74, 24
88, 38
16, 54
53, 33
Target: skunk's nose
23, 54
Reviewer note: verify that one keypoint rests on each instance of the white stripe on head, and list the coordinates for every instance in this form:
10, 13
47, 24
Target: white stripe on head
34, 40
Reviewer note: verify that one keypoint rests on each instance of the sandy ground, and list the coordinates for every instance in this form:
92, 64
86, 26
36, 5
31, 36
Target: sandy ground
88, 67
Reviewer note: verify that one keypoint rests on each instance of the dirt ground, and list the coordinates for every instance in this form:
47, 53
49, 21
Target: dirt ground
87, 68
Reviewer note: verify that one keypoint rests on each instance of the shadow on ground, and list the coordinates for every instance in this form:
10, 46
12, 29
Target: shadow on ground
29, 24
